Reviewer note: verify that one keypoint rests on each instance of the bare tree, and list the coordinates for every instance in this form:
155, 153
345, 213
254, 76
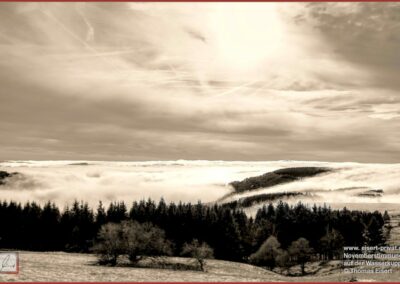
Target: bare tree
267, 253
199, 251
130, 238
301, 251
144, 240
110, 243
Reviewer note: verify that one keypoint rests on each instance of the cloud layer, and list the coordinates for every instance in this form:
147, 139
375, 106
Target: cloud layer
225, 81
63, 182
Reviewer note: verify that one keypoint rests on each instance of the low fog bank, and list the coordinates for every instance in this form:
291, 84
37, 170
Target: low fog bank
188, 181
357, 183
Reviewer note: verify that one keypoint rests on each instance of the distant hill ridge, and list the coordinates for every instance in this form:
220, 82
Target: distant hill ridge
280, 176
4, 175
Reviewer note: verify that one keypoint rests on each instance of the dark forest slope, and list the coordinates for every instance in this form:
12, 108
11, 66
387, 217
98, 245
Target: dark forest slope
4, 175
277, 177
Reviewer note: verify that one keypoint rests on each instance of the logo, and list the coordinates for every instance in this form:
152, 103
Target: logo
9, 262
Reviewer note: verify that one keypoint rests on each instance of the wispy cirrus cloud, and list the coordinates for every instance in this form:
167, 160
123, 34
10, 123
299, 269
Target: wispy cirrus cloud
235, 81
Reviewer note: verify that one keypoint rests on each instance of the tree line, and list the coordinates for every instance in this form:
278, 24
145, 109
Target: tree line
229, 232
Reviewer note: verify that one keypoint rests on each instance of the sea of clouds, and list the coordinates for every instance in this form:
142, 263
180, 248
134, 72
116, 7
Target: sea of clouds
189, 181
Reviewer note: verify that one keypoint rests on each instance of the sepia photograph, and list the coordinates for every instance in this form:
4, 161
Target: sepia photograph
199, 142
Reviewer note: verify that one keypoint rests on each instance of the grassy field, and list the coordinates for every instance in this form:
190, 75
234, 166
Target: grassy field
59, 266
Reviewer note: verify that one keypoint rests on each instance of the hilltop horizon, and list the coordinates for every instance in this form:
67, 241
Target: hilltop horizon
184, 160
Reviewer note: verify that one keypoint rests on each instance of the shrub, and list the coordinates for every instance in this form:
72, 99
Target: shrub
282, 259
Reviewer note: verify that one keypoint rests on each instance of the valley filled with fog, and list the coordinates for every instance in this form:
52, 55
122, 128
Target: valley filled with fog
62, 182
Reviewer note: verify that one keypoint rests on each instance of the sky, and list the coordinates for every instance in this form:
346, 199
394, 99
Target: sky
204, 81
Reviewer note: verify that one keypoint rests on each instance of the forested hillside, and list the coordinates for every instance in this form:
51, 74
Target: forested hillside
231, 234
280, 176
